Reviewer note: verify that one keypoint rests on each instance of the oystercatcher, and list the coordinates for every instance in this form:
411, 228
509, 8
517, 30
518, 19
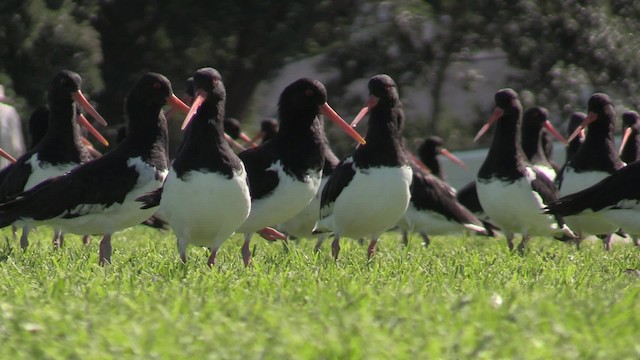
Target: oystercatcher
369, 191
596, 159
511, 192
285, 172
205, 197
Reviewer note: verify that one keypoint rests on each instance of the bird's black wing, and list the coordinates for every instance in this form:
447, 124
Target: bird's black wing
339, 179
87, 189
258, 162
468, 197
15, 177
430, 193
611, 192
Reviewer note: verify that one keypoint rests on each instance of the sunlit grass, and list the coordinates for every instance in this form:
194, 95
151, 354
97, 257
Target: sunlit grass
460, 298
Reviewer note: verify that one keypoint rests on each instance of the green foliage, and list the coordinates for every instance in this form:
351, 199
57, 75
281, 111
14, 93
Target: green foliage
463, 297
41, 38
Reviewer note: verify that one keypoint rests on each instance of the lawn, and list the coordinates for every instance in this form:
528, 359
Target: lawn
462, 297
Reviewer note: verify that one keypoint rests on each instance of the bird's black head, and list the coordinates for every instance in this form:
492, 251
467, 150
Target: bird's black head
152, 88
430, 147
302, 95
64, 84
232, 127
383, 87
535, 117
506, 98
631, 119
209, 80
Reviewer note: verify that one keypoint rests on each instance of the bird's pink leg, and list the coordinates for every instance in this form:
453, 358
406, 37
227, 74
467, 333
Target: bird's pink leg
212, 258
335, 247
246, 253
372, 248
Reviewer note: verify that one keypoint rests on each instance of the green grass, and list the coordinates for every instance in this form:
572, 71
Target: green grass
459, 298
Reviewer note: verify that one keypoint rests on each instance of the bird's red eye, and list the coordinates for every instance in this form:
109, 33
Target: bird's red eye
308, 92
156, 85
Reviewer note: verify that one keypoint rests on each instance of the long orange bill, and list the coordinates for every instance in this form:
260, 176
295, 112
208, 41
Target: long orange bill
371, 102
547, 125
247, 139
497, 114
588, 120
456, 160
82, 101
234, 143
176, 105
201, 96
329, 113
625, 138
84, 122
6, 155
89, 146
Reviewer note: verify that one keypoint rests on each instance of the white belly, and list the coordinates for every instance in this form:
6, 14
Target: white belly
573, 182
429, 222
288, 199
514, 207
206, 209
373, 202
302, 223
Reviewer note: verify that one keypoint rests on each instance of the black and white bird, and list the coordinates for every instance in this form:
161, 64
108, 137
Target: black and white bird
99, 196
535, 122
369, 191
630, 146
285, 172
512, 192
614, 200
60, 150
205, 197
596, 159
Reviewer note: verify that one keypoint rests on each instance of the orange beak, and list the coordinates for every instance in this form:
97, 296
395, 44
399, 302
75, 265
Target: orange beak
201, 96
84, 122
547, 125
497, 114
625, 138
456, 160
176, 105
234, 143
6, 155
588, 120
247, 139
79, 98
371, 102
329, 113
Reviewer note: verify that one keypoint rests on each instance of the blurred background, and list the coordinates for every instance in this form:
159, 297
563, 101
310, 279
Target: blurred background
448, 57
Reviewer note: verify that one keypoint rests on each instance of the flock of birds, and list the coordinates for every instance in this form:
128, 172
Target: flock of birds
293, 185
